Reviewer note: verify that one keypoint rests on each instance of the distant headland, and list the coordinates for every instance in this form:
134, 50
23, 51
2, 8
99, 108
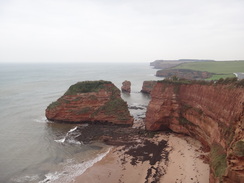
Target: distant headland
199, 69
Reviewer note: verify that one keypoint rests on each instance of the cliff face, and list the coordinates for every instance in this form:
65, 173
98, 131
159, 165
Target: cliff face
214, 114
90, 101
184, 73
148, 86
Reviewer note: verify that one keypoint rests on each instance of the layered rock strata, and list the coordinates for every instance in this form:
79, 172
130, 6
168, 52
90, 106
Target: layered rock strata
148, 86
90, 101
211, 113
126, 86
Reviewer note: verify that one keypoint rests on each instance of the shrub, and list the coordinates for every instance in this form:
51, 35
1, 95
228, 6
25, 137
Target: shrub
86, 86
218, 160
239, 149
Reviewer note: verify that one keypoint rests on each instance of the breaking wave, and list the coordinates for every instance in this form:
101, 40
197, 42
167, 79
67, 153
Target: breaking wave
69, 137
71, 171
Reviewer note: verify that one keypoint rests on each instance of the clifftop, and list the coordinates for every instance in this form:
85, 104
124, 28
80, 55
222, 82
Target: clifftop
87, 86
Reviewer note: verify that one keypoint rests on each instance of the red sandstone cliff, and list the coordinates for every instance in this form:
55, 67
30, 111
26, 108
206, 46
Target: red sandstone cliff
212, 113
90, 101
148, 86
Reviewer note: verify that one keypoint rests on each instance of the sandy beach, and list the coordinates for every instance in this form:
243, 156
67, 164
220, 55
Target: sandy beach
167, 158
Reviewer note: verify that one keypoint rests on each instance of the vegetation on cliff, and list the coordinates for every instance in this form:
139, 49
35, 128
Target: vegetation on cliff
239, 148
116, 106
218, 160
86, 86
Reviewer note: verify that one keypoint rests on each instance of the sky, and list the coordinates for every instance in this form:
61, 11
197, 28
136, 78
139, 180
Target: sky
120, 30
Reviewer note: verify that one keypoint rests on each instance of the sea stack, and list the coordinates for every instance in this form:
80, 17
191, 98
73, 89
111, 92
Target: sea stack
90, 101
126, 86
213, 113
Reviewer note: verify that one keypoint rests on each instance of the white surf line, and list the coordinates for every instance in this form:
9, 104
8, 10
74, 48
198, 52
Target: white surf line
63, 139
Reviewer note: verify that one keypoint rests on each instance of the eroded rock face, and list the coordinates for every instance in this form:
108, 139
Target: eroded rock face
148, 86
126, 86
212, 113
90, 101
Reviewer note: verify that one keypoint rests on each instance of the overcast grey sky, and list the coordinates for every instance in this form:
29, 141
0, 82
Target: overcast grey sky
120, 30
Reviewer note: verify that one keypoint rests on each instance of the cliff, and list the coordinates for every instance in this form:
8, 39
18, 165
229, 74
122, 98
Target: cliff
212, 113
184, 73
165, 64
90, 101
148, 86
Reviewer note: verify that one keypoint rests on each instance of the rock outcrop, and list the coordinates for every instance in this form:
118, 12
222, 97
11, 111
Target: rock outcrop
90, 101
126, 86
212, 113
184, 73
148, 86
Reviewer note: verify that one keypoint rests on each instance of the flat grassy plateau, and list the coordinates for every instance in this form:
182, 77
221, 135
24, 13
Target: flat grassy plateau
221, 69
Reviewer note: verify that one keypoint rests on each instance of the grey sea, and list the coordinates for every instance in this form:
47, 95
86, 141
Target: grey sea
33, 149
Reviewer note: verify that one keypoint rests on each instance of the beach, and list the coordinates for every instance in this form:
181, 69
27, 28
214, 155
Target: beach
166, 157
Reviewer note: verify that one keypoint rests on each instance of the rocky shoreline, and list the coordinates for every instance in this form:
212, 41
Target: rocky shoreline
193, 108
142, 156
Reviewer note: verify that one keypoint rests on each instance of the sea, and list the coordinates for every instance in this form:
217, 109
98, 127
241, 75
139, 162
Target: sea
35, 150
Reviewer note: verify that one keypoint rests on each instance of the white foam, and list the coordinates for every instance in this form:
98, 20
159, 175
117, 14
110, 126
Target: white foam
60, 140
72, 141
26, 178
50, 177
73, 129
71, 171
41, 120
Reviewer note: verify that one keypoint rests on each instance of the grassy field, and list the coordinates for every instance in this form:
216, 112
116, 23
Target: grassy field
221, 69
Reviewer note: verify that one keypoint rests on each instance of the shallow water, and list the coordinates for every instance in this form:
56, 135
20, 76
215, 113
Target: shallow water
35, 150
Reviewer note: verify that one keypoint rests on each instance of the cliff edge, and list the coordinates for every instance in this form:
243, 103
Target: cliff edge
90, 101
213, 113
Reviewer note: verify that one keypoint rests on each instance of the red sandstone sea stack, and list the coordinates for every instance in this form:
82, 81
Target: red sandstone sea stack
211, 113
90, 101
126, 86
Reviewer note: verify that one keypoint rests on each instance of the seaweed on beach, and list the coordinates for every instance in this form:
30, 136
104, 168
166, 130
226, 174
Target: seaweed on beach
140, 145
150, 151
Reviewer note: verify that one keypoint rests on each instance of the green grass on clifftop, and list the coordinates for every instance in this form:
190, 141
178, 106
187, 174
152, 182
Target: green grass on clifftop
221, 69
86, 86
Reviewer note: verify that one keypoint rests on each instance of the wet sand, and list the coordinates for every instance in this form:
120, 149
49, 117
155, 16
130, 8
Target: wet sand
167, 158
